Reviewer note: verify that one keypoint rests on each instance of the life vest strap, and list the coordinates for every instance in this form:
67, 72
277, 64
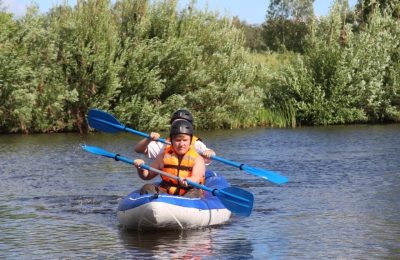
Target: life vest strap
181, 167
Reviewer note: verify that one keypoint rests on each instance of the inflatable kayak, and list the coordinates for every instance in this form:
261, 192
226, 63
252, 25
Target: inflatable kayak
165, 211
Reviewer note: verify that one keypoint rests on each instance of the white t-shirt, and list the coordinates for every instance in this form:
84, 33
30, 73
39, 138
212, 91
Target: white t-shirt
154, 148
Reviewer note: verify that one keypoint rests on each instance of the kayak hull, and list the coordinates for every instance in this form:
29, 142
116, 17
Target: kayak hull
164, 211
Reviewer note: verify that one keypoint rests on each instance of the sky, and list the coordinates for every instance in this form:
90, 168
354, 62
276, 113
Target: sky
251, 11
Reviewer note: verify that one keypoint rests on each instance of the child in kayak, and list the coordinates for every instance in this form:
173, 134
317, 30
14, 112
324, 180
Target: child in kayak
179, 159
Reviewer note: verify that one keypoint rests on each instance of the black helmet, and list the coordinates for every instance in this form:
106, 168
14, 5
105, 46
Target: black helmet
182, 114
181, 126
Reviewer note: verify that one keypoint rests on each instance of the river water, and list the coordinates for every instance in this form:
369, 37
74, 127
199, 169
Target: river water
342, 200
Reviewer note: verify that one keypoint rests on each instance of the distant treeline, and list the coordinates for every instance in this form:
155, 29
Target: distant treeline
141, 60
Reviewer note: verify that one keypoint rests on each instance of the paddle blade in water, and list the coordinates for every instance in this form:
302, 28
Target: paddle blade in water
237, 200
103, 121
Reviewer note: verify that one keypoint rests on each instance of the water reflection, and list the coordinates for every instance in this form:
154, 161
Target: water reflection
171, 244
187, 244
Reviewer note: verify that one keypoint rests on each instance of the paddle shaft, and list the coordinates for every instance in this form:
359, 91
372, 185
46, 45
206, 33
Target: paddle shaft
162, 140
106, 122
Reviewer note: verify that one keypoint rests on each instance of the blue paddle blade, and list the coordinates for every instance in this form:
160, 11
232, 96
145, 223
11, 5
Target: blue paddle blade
103, 121
237, 200
265, 174
98, 151
268, 175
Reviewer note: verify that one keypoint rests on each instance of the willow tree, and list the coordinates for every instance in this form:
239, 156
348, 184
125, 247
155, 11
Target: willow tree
140, 60
86, 39
184, 58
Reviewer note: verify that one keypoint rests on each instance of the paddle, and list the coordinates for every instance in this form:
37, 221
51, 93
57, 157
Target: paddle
237, 200
105, 122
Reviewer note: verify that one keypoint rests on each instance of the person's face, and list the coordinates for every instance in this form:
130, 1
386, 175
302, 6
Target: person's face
181, 143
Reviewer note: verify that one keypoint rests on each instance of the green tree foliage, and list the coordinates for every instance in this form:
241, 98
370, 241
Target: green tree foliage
253, 35
87, 43
289, 9
7, 67
186, 59
344, 77
286, 24
26, 68
57, 65
365, 8
140, 60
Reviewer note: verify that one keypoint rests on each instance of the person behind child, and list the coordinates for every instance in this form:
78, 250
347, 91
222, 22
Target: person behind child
179, 159
152, 148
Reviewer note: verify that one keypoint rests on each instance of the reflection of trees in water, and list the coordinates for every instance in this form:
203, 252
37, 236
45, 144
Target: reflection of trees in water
185, 244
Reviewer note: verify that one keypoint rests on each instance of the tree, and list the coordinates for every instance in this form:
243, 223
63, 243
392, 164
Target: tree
286, 24
290, 9
366, 7
253, 34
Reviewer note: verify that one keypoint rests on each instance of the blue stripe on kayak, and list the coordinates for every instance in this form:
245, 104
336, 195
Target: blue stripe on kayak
209, 201
202, 204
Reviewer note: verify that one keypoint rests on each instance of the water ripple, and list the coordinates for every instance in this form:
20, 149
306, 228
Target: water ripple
342, 200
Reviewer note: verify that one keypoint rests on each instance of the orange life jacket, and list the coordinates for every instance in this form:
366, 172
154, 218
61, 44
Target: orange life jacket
177, 167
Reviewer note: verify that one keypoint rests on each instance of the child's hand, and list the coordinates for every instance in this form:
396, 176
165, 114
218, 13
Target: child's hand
183, 182
138, 162
154, 136
208, 153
